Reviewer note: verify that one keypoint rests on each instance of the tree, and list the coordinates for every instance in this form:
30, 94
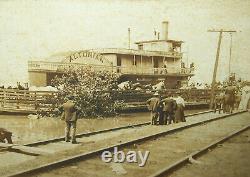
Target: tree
95, 92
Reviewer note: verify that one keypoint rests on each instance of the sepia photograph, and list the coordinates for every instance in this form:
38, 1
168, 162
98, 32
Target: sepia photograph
124, 88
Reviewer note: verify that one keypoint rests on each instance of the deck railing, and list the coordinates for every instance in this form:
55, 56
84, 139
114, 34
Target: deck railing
61, 67
14, 99
171, 54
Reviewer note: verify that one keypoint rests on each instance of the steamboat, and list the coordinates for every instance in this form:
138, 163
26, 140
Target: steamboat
154, 61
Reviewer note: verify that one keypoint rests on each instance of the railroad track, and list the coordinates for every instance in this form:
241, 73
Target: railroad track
85, 134
89, 160
189, 158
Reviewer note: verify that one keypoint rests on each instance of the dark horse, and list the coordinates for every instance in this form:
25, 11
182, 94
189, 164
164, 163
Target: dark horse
229, 99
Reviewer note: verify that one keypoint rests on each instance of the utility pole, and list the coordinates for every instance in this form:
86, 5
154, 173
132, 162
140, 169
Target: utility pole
216, 62
230, 56
187, 56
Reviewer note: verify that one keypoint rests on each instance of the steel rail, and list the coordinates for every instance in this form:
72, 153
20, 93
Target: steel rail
86, 155
183, 161
102, 131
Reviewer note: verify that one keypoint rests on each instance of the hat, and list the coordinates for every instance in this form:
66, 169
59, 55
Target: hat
156, 94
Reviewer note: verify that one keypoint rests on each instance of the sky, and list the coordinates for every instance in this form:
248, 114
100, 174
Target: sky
36, 29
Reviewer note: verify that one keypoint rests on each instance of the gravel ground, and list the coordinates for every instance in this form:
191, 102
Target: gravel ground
230, 159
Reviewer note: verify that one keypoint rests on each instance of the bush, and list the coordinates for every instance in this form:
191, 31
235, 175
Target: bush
94, 92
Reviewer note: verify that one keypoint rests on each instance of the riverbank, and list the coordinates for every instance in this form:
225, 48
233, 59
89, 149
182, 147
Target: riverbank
29, 130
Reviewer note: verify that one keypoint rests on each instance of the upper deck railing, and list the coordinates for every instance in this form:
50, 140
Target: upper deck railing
62, 67
170, 54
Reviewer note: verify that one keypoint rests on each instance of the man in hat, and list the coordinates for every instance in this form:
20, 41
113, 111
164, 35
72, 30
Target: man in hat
153, 104
70, 116
160, 110
179, 113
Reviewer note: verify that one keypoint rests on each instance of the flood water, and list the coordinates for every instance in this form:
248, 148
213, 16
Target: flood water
30, 130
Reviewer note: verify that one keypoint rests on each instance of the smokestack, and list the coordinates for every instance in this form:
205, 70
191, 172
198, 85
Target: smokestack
128, 38
165, 30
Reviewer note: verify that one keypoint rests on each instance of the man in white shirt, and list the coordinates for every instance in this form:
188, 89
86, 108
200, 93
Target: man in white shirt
180, 100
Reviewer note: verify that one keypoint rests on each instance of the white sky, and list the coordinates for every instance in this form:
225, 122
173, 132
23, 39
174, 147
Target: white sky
34, 29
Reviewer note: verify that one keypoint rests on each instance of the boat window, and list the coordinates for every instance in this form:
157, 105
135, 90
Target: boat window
119, 61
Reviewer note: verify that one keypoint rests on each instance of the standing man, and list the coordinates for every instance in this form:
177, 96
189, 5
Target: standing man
153, 104
70, 116
168, 109
218, 102
160, 111
179, 113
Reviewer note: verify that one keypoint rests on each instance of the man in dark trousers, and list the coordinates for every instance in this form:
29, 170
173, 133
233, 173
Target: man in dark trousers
218, 102
5, 135
70, 116
168, 109
153, 104
160, 111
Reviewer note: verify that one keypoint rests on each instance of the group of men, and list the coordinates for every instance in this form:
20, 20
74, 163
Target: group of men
166, 110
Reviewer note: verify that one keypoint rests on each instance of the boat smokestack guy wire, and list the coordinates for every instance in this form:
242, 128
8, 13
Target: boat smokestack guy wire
165, 30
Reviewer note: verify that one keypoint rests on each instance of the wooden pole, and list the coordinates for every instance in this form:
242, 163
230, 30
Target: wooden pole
230, 56
216, 63
215, 70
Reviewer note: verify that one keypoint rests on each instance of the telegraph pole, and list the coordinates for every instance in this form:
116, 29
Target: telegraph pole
216, 62
230, 56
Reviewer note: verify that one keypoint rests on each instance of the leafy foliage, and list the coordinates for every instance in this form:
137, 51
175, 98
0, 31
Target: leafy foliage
94, 91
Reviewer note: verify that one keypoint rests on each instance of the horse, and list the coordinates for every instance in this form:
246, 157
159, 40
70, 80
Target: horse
237, 101
229, 100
